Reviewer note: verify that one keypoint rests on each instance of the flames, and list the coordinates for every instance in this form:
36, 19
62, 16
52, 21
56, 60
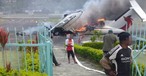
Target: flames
81, 29
100, 20
96, 23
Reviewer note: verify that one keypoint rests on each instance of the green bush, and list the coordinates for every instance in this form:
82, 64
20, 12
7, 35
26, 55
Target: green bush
3, 72
90, 53
31, 62
93, 38
28, 48
95, 45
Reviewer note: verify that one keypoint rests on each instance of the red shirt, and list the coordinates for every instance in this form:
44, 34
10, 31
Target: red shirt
69, 46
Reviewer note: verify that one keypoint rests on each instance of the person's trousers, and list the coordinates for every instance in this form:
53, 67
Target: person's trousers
54, 59
70, 53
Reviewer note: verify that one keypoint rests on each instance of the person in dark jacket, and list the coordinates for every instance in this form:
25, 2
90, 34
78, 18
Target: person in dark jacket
108, 41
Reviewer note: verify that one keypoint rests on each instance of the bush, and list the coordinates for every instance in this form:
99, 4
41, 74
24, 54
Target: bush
95, 45
29, 62
28, 48
93, 38
3, 72
90, 53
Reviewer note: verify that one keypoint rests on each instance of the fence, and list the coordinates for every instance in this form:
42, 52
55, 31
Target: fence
28, 52
139, 47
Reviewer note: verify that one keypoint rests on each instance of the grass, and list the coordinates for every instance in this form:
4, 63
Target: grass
141, 58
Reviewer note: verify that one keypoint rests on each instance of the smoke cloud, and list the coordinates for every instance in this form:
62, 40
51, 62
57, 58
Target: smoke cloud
109, 9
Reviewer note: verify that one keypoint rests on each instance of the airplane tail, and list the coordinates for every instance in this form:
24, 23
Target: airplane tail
135, 13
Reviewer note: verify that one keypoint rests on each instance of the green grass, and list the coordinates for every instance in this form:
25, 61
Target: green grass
141, 58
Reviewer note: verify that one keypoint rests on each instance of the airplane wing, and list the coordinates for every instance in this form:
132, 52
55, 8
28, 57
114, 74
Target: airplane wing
138, 10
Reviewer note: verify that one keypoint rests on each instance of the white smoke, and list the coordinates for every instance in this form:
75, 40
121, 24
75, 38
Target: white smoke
34, 30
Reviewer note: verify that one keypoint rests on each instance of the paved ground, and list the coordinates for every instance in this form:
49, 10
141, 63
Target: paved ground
71, 69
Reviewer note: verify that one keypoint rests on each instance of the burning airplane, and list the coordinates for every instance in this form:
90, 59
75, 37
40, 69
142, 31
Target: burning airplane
74, 23
122, 23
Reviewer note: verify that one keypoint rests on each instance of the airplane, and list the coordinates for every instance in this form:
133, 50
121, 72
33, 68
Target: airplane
122, 23
60, 28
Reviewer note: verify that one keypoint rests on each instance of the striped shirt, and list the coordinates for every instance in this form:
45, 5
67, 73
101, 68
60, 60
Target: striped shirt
121, 58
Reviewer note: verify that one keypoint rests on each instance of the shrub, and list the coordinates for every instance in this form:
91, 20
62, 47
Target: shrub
3, 72
87, 52
31, 62
95, 45
28, 48
93, 38
98, 33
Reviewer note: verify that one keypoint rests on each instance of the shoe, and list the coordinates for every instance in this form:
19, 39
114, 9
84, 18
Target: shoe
58, 64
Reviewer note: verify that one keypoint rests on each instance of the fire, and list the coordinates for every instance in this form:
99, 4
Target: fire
101, 19
83, 28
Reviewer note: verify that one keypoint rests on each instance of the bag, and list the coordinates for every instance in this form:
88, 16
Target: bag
108, 68
105, 63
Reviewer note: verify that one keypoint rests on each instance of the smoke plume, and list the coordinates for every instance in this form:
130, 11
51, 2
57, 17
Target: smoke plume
109, 9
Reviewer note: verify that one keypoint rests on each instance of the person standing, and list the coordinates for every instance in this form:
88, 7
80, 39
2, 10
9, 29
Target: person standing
108, 41
69, 42
120, 57
54, 58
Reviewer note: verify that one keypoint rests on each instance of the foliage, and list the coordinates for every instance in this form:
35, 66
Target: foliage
3, 37
3, 72
32, 59
95, 45
87, 52
142, 69
20, 47
93, 38
139, 44
98, 33
28, 48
